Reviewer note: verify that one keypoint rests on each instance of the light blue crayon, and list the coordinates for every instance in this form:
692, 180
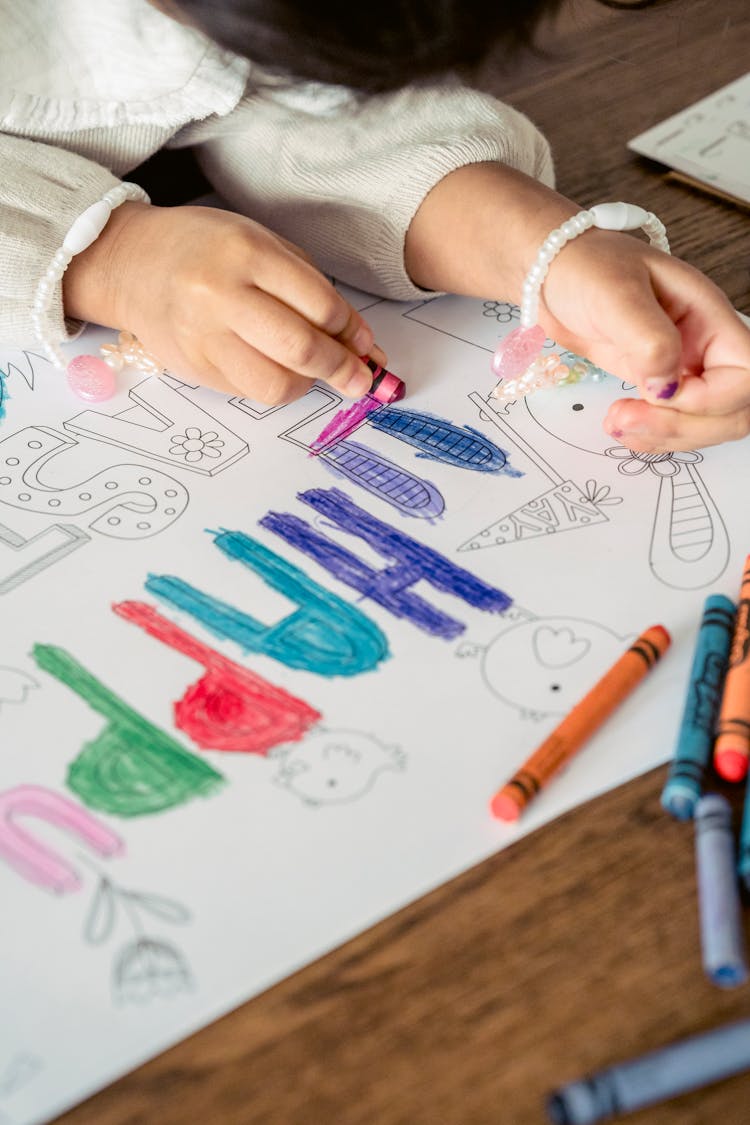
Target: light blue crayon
686, 1065
722, 936
696, 735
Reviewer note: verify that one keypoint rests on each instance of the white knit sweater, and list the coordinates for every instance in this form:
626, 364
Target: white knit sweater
90, 88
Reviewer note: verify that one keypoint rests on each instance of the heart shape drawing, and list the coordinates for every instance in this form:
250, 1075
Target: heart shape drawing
558, 648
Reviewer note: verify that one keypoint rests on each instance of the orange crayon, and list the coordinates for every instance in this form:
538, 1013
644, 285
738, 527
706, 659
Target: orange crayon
732, 745
580, 723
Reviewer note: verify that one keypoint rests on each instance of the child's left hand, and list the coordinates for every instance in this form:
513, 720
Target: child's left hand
656, 322
646, 317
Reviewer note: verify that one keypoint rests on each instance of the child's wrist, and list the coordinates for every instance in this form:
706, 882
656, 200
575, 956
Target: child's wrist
98, 281
500, 215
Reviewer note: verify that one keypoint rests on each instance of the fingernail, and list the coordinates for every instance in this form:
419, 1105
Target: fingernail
659, 389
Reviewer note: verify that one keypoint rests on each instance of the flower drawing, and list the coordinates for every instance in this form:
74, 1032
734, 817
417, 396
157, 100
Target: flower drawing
632, 463
146, 969
502, 311
194, 445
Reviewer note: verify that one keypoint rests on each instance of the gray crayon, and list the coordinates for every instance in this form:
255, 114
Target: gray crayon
669, 1072
722, 937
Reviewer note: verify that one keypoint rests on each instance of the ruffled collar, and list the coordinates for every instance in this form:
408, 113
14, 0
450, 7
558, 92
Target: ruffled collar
79, 65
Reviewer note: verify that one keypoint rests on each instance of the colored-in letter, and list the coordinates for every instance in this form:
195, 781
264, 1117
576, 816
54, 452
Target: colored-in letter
444, 441
131, 768
408, 493
410, 562
324, 634
228, 708
35, 861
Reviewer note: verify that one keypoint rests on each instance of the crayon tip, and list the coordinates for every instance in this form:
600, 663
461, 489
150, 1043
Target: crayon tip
664, 632
504, 807
731, 764
729, 976
679, 804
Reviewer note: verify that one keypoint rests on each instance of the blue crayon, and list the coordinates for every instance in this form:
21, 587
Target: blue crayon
743, 863
696, 735
722, 936
689, 1064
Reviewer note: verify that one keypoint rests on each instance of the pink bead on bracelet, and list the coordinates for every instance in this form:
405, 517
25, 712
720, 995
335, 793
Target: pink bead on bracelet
88, 375
518, 362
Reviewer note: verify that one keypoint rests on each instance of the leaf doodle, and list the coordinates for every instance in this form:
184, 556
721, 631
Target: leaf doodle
599, 495
100, 921
161, 907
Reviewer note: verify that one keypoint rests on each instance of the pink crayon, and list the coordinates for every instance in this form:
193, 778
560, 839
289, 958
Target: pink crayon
386, 388
38, 862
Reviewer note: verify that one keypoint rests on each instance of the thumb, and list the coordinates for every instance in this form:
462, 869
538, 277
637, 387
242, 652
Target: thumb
653, 359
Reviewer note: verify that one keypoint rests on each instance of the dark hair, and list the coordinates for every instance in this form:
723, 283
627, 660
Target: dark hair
376, 46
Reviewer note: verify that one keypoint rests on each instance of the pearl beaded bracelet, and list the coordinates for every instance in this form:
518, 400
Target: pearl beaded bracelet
88, 376
518, 362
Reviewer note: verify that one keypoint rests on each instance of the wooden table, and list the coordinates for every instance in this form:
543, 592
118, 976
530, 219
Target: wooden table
577, 946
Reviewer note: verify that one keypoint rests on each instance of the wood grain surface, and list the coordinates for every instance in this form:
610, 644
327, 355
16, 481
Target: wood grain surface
578, 946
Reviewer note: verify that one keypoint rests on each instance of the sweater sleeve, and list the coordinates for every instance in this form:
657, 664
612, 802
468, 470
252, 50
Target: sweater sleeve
346, 186
43, 189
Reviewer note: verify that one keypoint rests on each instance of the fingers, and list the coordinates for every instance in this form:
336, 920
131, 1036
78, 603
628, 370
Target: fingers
294, 344
657, 429
236, 366
378, 355
291, 279
652, 357
720, 391
232, 365
223, 277
710, 402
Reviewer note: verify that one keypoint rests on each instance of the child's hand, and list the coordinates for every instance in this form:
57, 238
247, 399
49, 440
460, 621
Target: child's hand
650, 319
221, 300
657, 323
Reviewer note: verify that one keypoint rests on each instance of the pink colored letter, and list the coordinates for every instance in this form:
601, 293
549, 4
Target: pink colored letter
37, 862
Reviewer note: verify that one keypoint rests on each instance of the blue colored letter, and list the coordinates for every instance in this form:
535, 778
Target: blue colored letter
410, 562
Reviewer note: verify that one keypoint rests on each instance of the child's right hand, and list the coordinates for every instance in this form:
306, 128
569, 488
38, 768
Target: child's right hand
221, 300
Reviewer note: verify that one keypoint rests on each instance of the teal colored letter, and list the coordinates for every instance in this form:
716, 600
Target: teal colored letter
324, 634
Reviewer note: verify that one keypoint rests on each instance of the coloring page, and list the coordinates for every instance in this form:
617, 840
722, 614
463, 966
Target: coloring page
263, 668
